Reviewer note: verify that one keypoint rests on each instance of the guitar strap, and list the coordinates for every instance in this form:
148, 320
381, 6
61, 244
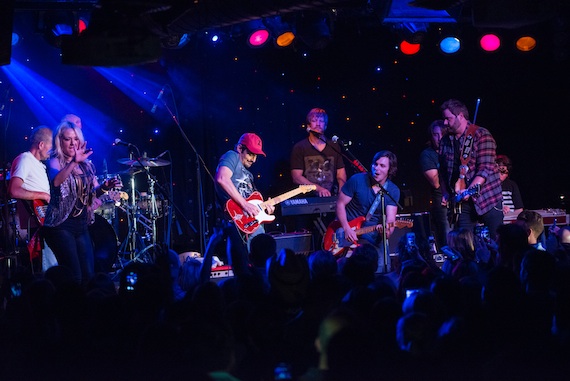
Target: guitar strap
28, 205
374, 206
466, 148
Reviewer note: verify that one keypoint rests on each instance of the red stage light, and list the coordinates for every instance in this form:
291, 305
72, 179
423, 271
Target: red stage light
408, 48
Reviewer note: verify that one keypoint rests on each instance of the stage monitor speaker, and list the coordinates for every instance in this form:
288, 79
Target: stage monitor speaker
421, 228
300, 243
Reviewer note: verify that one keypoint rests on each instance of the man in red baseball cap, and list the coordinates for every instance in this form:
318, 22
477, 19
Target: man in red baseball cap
235, 181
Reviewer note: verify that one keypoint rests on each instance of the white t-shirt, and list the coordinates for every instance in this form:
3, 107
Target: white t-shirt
31, 171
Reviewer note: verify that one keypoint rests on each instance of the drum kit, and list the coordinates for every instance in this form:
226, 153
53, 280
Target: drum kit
139, 210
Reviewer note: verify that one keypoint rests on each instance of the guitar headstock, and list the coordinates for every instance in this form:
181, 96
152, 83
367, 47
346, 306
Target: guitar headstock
307, 188
117, 196
404, 223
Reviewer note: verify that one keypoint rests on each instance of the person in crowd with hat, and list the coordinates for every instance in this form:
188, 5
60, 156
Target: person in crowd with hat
233, 180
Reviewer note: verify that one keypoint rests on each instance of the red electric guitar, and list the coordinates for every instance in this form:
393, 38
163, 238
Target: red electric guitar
39, 208
335, 242
249, 224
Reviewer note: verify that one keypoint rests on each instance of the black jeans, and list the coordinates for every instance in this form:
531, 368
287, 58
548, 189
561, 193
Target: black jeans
469, 217
73, 248
439, 221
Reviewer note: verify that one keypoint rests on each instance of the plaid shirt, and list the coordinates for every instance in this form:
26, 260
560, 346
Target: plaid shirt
481, 163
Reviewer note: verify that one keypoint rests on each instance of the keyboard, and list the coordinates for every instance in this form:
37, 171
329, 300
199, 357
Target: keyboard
308, 205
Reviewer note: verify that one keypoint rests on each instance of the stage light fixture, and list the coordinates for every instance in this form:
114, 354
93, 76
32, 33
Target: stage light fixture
175, 41
56, 24
15, 38
408, 48
285, 39
115, 37
315, 29
282, 29
526, 43
82, 24
450, 45
258, 38
490, 42
258, 35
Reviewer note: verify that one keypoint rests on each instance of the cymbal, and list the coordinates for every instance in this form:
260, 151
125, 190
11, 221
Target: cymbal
131, 171
146, 162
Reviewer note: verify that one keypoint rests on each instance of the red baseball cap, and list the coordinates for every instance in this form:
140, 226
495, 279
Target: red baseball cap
252, 142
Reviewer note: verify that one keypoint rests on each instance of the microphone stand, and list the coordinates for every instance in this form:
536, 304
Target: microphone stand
200, 192
383, 193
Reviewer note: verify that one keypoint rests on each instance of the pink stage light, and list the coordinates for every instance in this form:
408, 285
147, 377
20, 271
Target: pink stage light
258, 38
490, 42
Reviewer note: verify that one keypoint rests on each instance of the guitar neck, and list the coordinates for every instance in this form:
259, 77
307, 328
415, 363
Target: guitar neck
283, 197
369, 229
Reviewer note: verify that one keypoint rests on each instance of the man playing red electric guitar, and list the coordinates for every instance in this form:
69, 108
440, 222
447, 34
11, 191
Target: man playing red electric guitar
29, 181
235, 181
358, 195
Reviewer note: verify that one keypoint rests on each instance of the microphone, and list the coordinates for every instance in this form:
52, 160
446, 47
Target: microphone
313, 132
119, 142
340, 141
158, 98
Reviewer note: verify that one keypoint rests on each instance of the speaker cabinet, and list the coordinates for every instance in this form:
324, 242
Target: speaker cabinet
300, 243
421, 228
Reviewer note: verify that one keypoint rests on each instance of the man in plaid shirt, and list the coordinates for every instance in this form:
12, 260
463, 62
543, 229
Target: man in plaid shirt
486, 207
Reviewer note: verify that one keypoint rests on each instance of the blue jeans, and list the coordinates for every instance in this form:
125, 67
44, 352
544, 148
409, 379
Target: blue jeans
376, 240
72, 246
237, 250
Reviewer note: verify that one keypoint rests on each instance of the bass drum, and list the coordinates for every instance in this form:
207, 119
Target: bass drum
105, 244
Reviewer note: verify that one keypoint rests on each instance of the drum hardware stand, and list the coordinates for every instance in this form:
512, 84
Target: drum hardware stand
11, 260
132, 246
149, 252
134, 241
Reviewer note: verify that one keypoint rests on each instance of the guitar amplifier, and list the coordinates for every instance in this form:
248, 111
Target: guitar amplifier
421, 228
300, 243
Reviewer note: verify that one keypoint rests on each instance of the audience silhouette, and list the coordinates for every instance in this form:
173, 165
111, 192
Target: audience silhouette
289, 316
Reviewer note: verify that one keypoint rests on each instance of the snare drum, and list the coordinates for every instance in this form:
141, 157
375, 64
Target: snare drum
105, 244
145, 205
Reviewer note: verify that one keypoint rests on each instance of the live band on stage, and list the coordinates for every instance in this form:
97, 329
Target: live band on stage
324, 208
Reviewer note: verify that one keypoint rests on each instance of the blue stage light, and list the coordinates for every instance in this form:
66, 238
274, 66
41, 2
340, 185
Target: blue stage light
450, 45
